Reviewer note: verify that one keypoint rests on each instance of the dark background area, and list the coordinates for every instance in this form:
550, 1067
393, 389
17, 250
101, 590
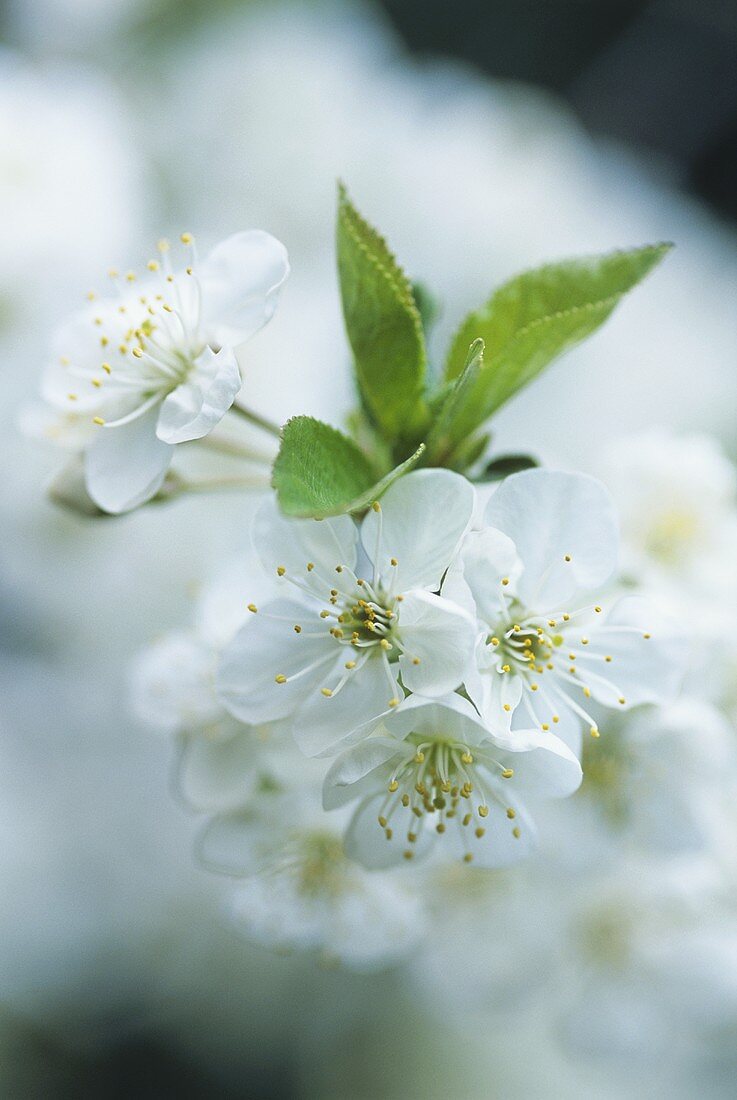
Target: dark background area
659, 74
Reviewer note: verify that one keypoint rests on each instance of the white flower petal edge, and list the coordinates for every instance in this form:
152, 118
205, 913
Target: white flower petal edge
194, 408
565, 529
126, 467
436, 772
332, 659
241, 279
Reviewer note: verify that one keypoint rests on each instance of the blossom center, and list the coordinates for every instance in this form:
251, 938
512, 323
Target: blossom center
441, 784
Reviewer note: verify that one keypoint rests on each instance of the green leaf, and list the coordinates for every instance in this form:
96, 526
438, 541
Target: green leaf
383, 325
321, 472
504, 465
448, 428
537, 316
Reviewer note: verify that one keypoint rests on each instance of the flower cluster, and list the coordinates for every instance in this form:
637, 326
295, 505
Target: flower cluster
404, 669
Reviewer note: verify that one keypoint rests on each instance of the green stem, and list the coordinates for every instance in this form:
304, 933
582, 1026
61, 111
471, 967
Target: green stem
216, 484
258, 421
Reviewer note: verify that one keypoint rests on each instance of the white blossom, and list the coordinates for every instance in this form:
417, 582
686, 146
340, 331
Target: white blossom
155, 365
364, 613
435, 771
533, 577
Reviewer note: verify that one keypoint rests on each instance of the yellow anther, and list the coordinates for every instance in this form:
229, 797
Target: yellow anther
252, 608
297, 628
153, 265
510, 813
480, 831
98, 420
419, 757
587, 692
567, 557
280, 679
393, 786
622, 700
507, 773
96, 382
440, 827
385, 643
566, 618
545, 727
388, 834
516, 832
405, 800
107, 368
466, 758
91, 295
71, 397
415, 660
382, 821
552, 622
326, 692
130, 276
468, 857
113, 273
350, 664
376, 506
507, 707
594, 731
505, 581
188, 270
483, 811
310, 566
608, 659
280, 570
646, 636
597, 609
394, 702
408, 854
393, 561
467, 818
534, 687
495, 641
186, 238
138, 352
399, 599
162, 245
556, 718
339, 569
506, 668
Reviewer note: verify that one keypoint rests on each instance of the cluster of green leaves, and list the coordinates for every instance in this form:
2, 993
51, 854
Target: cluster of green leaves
411, 417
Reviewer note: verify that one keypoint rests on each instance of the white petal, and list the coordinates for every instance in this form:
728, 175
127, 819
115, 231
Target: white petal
422, 520
366, 842
348, 774
234, 844
172, 684
240, 281
550, 515
642, 670
438, 634
217, 775
263, 649
194, 408
486, 558
126, 466
323, 723
292, 543
452, 716
543, 766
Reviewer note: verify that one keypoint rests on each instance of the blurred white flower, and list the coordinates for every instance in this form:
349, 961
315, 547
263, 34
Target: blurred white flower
332, 661
434, 770
677, 500
155, 366
302, 891
531, 577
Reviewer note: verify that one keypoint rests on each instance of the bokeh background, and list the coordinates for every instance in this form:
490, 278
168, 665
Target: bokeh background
482, 137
